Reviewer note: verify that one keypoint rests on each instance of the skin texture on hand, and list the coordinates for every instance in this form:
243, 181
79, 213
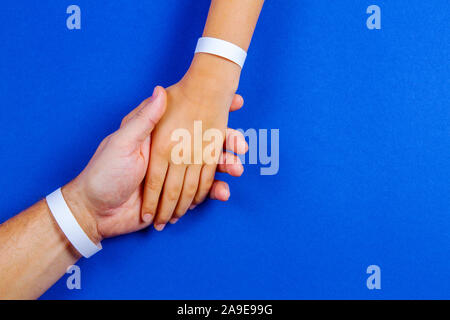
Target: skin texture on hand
106, 198
171, 188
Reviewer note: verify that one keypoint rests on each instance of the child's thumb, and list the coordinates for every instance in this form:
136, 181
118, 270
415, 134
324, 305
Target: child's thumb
140, 126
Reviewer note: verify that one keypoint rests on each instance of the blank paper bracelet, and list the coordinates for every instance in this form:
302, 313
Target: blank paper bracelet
222, 49
69, 225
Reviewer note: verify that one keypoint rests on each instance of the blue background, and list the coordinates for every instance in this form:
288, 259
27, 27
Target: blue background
364, 125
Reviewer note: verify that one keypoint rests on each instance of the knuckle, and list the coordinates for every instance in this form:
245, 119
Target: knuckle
116, 140
153, 184
140, 113
172, 194
190, 189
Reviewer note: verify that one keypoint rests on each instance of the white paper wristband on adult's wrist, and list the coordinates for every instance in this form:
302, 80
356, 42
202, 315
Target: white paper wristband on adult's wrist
223, 49
69, 225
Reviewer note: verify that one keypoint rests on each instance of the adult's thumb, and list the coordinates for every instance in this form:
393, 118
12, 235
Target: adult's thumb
140, 126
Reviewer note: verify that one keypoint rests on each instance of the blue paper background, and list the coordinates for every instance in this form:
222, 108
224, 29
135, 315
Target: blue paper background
364, 123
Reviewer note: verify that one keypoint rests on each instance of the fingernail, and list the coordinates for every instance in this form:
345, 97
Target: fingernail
192, 206
147, 217
153, 97
225, 194
160, 227
155, 93
173, 220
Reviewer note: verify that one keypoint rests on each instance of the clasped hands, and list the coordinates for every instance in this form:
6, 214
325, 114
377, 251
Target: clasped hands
132, 180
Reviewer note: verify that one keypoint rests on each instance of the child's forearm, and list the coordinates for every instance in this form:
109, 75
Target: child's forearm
233, 21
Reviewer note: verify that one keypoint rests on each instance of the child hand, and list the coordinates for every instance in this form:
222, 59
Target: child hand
172, 187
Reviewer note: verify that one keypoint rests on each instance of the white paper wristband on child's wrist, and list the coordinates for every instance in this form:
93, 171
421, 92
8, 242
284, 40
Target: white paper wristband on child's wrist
222, 49
69, 225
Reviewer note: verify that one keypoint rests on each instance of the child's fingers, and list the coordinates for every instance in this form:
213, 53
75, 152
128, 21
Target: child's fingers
190, 186
206, 181
153, 184
170, 195
219, 191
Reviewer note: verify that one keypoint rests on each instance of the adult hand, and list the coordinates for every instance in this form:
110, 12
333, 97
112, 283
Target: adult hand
106, 198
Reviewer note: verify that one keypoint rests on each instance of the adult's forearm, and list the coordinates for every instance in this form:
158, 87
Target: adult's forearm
34, 252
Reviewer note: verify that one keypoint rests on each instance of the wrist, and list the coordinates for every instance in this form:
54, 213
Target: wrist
214, 74
79, 206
